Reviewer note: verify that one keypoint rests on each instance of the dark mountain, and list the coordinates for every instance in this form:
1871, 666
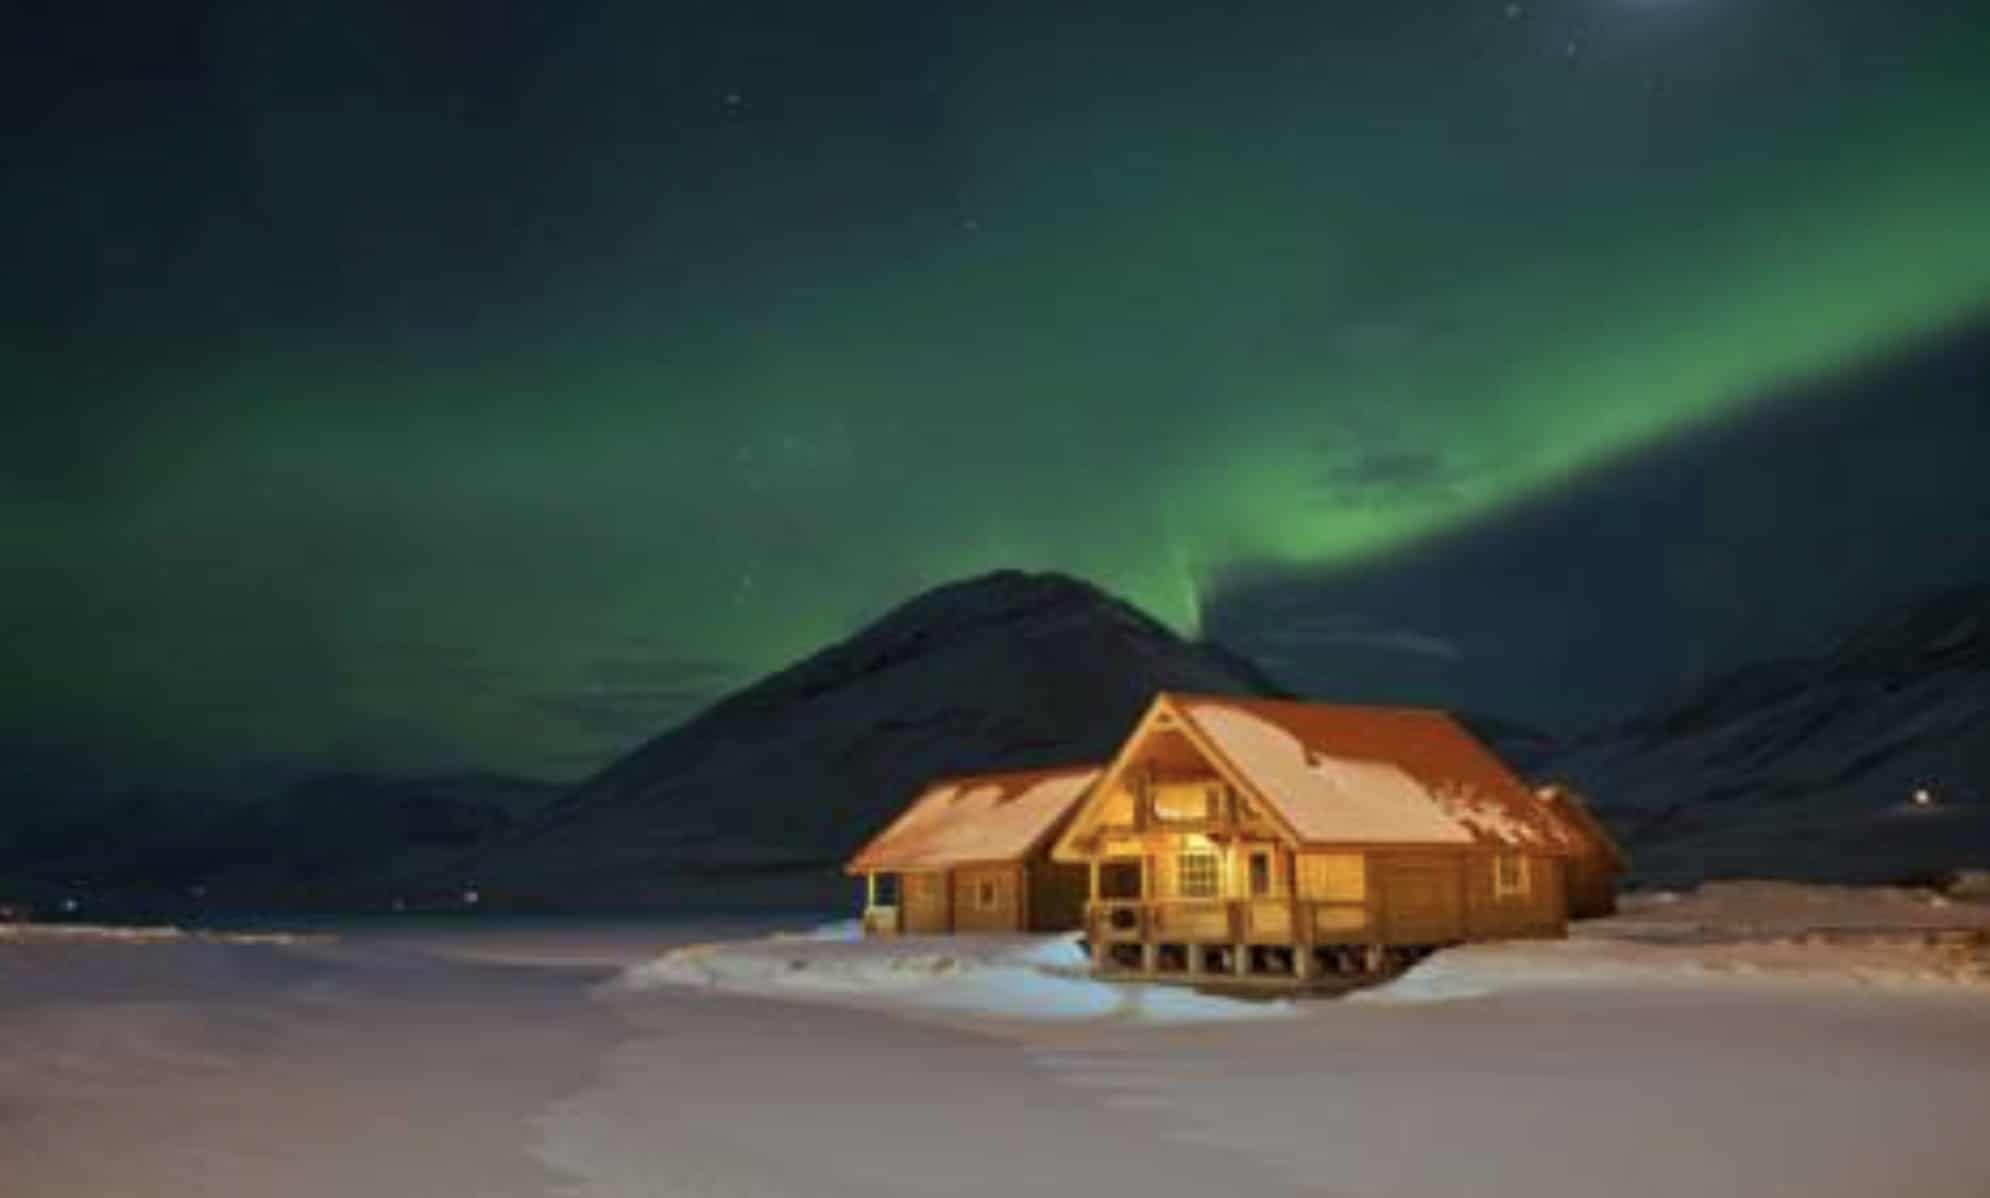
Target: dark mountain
1806, 767
149, 852
1758, 534
1803, 767
778, 783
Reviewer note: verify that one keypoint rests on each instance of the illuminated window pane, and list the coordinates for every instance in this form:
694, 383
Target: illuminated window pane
1198, 875
1509, 875
1333, 877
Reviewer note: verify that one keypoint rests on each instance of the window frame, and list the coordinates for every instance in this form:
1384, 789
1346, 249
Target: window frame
1201, 858
987, 894
882, 881
1122, 870
1520, 884
1257, 869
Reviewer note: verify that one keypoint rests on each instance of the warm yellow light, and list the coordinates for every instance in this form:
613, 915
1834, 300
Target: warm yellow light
1923, 797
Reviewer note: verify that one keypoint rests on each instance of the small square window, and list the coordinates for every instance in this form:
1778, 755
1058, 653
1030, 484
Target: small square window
1510, 876
987, 894
884, 890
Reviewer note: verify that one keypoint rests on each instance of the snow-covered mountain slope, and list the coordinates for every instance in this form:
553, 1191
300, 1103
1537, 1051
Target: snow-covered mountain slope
1809, 767
784, 779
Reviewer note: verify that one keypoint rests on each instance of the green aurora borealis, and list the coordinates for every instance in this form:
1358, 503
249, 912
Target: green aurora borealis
424, 413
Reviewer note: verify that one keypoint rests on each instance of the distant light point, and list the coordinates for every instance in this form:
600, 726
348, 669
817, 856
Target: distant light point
1514, 12
1923, 797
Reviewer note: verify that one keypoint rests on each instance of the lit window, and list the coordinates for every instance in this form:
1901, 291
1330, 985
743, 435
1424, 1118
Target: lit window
1198, 874
1509, 876
1176, 803
986, 894
1334, 877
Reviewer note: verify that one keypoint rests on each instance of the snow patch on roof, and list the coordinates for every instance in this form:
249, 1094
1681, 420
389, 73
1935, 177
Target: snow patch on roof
996, 817
1491, 818
1328, 798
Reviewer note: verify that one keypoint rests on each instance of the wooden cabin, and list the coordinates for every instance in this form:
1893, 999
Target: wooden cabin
1592, 874
971, 854
1263, 840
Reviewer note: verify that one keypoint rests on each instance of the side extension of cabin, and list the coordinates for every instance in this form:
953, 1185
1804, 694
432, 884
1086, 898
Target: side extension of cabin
971, 854
1036, 895
1597, 870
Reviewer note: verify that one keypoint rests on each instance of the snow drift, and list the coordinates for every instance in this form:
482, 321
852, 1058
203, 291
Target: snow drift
1008, 977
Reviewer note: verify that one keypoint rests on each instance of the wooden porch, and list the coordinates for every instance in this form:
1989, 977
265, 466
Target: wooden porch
1279, 941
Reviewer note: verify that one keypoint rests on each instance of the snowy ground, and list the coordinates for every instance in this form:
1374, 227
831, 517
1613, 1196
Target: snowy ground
1769, 933
1031, 979
1744, 1040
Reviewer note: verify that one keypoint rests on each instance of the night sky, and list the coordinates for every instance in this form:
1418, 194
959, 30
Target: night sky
491, 386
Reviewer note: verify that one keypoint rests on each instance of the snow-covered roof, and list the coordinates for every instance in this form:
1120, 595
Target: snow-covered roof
984, 817
1374, 775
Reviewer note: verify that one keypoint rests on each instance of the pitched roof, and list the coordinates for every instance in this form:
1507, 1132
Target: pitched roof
979, 817
1575, 813
1374, 775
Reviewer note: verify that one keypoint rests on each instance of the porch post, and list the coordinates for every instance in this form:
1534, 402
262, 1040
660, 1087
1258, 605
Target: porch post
1303, 966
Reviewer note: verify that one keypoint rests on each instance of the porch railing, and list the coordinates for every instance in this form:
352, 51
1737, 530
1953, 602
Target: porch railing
1225, 921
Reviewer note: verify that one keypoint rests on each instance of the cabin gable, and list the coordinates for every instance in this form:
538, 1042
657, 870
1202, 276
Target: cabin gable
1166, 781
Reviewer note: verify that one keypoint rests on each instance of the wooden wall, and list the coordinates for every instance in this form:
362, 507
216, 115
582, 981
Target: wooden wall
1040, 897
924, 900
1434, 897
1592, 886
1418, 898
1056, 895
1541, 911
1003, 884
